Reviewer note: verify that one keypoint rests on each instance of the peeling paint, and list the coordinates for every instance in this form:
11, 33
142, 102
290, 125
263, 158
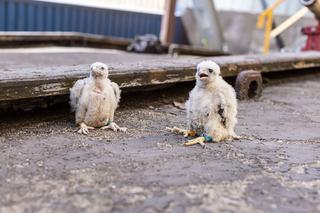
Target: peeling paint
303, 64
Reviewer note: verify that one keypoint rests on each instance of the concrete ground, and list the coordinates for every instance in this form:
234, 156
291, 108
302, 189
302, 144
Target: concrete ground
47, 167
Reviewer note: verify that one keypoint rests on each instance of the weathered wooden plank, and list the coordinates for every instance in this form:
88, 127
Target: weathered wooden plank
146, 73
75, 38
179, 49
168, 22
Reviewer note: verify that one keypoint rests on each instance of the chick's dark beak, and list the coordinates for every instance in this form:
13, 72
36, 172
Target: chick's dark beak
96, 74
203, 75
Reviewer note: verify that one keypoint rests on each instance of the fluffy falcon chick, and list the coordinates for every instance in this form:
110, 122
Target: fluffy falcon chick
212, 104
95, 99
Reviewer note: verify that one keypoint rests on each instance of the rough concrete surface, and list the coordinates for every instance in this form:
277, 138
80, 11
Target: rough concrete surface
47, 167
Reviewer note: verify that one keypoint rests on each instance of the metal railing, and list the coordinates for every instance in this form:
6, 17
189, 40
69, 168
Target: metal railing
265, 21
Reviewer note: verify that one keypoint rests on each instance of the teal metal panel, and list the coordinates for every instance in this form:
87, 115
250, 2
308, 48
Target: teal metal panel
2, 16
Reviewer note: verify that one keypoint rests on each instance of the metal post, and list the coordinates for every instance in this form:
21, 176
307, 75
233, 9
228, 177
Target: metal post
168, 22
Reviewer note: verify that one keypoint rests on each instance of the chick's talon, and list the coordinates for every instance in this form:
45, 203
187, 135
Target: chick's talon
176, 130
114, 127
184, 132
236, 137
198, 140
123, 129
84, 129
110, 126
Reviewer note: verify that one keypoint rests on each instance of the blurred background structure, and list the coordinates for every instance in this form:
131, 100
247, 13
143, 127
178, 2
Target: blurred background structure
231, 25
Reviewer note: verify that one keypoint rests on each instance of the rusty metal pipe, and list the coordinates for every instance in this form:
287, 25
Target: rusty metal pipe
313, 5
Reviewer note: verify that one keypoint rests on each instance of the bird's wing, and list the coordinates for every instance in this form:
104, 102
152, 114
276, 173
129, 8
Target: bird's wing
221, 112
75, 93
116, 90
222, 109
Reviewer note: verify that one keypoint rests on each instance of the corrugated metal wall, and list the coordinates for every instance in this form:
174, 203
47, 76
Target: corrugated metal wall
28, 15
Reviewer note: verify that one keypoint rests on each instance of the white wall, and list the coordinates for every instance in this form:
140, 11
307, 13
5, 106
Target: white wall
149, 6
288, 7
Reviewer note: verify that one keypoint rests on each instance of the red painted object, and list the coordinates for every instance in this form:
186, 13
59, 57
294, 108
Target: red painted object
313, 37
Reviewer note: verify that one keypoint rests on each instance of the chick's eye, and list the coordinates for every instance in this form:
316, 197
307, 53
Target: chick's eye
210, 70
102, 68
